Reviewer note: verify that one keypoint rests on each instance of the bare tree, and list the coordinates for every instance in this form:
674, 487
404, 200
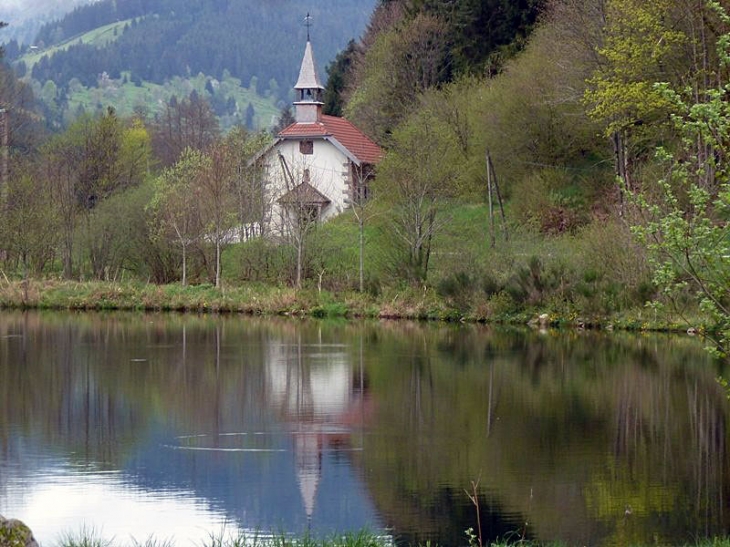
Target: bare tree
61, 163
300, 208
250, 185
189, 123
30, 225
359, 199
218, 199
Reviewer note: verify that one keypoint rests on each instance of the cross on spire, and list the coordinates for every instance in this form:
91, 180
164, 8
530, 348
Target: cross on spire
308, 24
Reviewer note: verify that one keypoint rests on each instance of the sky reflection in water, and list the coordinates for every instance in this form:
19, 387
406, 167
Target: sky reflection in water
179, 426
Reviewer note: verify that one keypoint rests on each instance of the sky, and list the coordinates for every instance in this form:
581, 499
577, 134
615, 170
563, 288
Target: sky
25, 9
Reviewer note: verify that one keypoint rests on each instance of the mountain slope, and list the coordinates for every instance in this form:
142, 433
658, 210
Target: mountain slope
168, 38
27, 17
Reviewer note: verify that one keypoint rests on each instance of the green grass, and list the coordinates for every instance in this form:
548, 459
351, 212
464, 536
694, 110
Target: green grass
125, 97
98, 37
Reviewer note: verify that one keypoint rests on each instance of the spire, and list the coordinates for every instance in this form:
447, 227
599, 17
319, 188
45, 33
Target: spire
308, 78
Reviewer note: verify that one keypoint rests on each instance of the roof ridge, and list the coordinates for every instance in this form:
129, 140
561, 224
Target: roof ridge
339, 130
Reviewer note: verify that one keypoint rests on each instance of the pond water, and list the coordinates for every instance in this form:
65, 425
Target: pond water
183, 427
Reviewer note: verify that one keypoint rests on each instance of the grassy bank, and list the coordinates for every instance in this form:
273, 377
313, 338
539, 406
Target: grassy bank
596, 278
264, 299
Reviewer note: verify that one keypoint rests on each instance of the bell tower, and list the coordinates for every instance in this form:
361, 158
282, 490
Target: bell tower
308, 89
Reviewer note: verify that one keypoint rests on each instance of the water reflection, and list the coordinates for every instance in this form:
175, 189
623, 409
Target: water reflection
196, 408
292, 426
315, 396
120, 509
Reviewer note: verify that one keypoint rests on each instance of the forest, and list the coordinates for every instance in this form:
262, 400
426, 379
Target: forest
562, 157
154, 41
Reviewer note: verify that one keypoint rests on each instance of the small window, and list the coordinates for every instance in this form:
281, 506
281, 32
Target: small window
306, 147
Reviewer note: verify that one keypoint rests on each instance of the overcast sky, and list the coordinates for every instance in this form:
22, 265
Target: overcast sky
26, 9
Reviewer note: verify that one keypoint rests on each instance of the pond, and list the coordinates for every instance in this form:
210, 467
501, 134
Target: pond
182, 427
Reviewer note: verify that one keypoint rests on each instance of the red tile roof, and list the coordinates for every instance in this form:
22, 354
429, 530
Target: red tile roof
343, 131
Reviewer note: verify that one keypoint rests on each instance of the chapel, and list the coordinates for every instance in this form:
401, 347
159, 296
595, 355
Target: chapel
319, 165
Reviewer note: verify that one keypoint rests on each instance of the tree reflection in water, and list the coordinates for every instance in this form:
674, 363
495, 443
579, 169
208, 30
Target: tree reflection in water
583, 437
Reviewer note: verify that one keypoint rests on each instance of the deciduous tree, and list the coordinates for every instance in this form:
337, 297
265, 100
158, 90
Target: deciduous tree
189, 123
641, 42
419, 175
399, 65
217, 193
30, 223
176, 203
687, 228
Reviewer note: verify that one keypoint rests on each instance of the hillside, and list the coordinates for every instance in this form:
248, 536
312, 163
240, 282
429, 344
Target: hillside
257, 43
98, 38
27, 17
138, 55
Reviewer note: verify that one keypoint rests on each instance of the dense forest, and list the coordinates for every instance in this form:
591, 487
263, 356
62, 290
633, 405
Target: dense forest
566, 156
167, 38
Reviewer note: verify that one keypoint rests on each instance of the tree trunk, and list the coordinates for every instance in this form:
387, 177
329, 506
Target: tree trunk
217, 263
184, 266
299, 263
68, 257
620, 168
361, 222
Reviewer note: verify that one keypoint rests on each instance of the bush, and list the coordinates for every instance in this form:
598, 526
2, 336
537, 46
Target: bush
551, 200
458, 289
261, 260
531, 284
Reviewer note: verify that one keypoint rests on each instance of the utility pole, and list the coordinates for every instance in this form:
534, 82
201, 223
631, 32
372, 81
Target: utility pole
4, 168
493, 187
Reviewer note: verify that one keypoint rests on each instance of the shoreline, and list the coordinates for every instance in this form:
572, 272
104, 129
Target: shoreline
266, 300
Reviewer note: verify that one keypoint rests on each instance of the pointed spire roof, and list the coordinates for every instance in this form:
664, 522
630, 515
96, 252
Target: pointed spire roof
308, 78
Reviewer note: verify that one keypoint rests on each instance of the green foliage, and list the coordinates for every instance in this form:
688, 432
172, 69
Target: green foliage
641, 41
458, 289
85, 537
686, 229
481, 33
691, 253
531, 283
362, 538
339, 73
30, 224
174, 207
401, 64
260, 260
552, 200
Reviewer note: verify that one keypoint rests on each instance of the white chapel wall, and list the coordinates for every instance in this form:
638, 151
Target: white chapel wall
328, 170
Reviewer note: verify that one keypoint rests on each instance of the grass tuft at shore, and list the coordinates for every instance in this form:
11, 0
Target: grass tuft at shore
91, 538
